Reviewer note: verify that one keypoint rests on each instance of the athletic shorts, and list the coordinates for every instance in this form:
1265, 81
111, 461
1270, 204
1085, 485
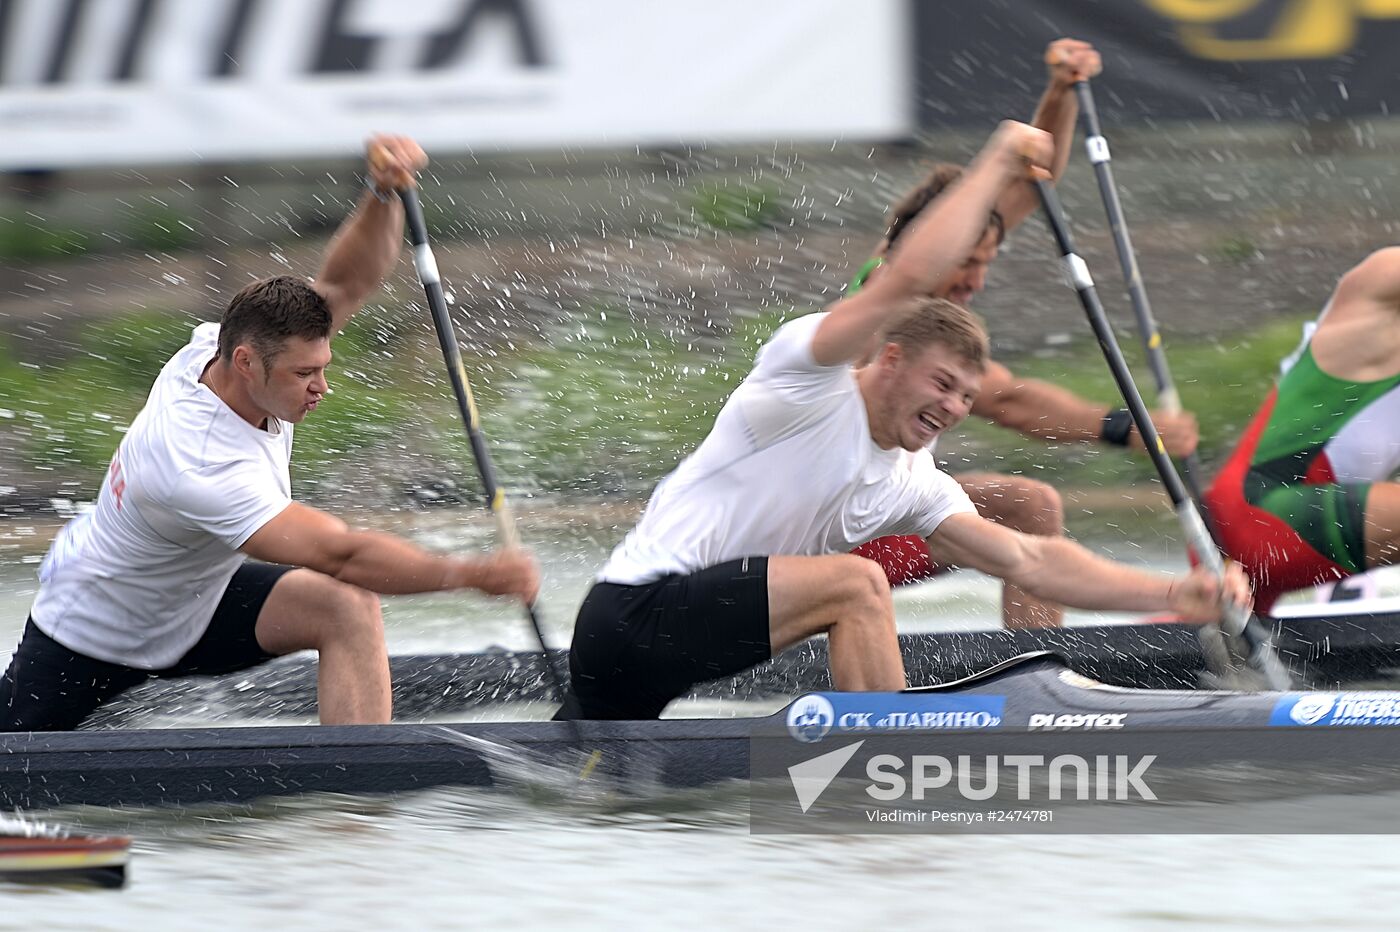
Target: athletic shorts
638, 647
1329, 517
51, 688
1272, 551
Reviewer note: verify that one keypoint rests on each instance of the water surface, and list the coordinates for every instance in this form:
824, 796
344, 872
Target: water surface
533, 856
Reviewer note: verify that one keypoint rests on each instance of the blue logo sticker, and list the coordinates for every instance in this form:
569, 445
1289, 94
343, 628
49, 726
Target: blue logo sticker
1337, 709
813, 717
810, 718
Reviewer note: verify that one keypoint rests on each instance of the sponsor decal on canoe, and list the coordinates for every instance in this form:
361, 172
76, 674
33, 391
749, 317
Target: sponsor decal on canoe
811, 718
1337, 709
1051, 721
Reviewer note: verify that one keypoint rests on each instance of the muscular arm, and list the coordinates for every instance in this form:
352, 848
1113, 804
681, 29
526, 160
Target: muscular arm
303, 536
1357, 338
942, 237
1376, 279
363, 251
368, 243
1055, 114
1051, 568
1035, 408
1047, 412
1068, 60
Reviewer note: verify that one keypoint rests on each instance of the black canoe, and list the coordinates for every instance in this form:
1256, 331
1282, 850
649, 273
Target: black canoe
1027, 706
1347, 646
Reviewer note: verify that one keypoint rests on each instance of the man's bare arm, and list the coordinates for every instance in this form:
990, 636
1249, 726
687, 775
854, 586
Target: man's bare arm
943, 235
368, 243
1376, 279
304, 536
1068, 61
1051, 413
1059, 570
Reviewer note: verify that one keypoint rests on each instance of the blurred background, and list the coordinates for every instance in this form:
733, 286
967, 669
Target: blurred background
628, 196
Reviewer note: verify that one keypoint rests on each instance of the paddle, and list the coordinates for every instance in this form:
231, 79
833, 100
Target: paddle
426, 265
1167, 397
1242, 636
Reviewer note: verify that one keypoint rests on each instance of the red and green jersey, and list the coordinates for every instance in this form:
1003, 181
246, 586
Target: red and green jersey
1291, 501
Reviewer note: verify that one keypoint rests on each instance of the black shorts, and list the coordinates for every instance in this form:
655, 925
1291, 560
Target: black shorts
51, 688
638, 647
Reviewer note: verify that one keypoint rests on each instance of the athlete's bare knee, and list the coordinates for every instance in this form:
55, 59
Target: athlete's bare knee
348, 612
1382, 525
1044, 510
1025, 505
866, 589
363, 612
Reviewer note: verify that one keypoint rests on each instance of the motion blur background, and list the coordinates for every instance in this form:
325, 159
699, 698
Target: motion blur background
629, 196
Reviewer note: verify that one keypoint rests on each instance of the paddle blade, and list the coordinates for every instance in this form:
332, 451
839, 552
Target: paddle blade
1247, 663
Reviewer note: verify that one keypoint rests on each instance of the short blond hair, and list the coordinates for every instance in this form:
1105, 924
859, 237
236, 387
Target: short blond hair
928, 321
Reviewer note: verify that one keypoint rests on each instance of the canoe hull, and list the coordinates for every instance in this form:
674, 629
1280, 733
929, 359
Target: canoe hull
1336, 651
1036, 706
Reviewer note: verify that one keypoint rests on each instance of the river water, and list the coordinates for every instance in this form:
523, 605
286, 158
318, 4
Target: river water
457, 858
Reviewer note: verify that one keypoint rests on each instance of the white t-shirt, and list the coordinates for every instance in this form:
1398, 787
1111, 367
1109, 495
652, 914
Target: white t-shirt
136, 580
788, 469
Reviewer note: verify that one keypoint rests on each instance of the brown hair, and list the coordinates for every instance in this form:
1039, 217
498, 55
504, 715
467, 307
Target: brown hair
268, 312
908, 207
937, 320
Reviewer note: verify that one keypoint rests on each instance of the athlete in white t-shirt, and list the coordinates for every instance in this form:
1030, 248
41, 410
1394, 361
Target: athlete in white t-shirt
157, 579
1035, 408
743, 550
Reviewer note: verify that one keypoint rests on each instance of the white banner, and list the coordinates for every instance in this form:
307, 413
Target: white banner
88, 82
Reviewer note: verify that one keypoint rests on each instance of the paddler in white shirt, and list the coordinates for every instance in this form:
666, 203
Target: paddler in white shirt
195, 558
743, 550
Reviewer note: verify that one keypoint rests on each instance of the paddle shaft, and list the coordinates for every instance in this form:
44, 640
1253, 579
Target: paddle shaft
426, 264
1097, 147
1168, 398
1236, 616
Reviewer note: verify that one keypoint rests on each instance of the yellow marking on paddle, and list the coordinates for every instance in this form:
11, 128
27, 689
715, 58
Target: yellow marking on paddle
1161, 447
592, 764
1155, 342
471, 399
498, 501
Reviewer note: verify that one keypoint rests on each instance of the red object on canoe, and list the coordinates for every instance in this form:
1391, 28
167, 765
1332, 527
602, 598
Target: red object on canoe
31, 852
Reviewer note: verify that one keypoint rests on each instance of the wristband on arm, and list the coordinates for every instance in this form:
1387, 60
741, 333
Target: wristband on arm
1117, 426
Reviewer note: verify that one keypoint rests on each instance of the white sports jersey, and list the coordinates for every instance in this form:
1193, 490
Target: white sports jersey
135, 581
788, 469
